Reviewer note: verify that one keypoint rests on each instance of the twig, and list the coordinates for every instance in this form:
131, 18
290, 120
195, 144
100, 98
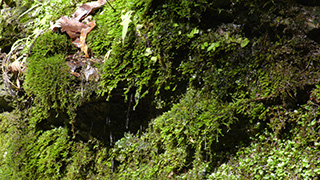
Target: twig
114, 10
28, 10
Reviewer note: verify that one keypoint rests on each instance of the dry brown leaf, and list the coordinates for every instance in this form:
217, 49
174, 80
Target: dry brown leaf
83, 37
76, 42
71, 26
77, 30
15, 67
87, 8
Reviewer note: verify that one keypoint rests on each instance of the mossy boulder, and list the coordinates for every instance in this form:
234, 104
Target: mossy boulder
192, 90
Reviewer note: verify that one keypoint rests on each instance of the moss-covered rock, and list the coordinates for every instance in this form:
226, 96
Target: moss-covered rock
48, 81
210, 78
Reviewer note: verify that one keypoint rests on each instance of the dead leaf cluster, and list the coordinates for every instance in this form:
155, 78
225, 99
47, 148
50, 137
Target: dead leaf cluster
79, 26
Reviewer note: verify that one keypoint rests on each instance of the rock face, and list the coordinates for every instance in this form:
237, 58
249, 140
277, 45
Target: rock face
309, 3
5, 99
199, 80
312, 21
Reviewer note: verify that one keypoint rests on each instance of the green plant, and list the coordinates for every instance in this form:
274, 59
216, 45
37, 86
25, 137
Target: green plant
48, 81
238, 96
271, 158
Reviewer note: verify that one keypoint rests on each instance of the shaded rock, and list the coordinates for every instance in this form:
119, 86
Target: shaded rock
5, 100
309, 2
221, 3
312, 22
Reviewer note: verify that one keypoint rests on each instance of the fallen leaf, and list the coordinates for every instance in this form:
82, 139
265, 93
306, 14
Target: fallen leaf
71, 26
77, 30
83, 37
15, 67
87, 8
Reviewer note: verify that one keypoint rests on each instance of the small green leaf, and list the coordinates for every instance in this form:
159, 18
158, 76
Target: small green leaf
193, 32
125, 23
213, 46
175, 25
204, 45
148, 52
245, 42
154, 59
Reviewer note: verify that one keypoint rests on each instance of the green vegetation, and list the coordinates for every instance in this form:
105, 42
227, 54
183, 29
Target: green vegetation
279, 160
48, 81
186, 90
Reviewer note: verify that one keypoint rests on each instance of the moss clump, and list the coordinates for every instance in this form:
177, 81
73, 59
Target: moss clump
9, 129
198, 130
49, 154
284, 159
249, 79
48, 81
49, 44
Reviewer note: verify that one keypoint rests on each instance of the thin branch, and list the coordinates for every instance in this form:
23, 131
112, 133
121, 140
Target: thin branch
27, 11
114, 10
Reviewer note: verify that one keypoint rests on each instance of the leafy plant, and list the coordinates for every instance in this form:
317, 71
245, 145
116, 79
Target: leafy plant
238, 96
125, 23
282, 159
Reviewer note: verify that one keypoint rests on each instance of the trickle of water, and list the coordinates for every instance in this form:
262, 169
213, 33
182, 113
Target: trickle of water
205, 143
108, 120
91, 127
111, 139
136, 99
112, 165
205, 148
129, 107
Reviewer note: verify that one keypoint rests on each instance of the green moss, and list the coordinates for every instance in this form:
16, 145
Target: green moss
251, 77
144, 64
282, 160
47, 155
191, 133
9, 130
49, 44
48, 81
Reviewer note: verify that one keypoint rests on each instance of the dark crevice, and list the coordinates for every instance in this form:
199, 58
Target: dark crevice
314, 34
235, 137
107, 120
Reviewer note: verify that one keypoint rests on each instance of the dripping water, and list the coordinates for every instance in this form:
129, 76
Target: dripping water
112, 165
205, 148
108, 121
140, 129
129, 107
111, 139
91, 127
